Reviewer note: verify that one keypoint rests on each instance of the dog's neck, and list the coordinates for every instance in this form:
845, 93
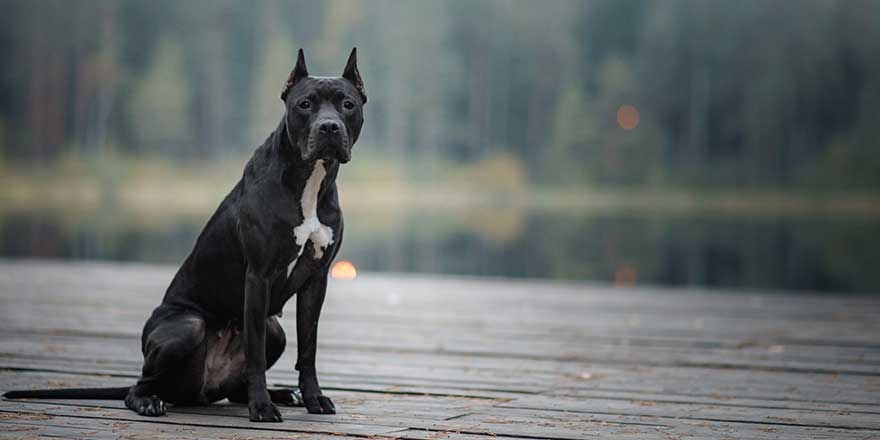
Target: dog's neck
306, 180
295, 171
285, 151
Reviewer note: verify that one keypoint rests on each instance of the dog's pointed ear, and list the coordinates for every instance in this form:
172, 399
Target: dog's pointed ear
298, 73
352, 75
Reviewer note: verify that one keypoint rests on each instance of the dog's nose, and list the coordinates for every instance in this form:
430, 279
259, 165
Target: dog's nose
328, 127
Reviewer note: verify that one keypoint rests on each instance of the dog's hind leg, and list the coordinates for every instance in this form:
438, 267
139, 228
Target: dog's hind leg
173, 347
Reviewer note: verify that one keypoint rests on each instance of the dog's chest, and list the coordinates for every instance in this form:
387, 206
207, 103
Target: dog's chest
311, 229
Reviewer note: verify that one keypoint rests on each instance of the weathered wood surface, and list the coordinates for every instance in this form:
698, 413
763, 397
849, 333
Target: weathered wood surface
427, 357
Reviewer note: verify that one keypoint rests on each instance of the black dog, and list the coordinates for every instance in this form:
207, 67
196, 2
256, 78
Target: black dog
276, 233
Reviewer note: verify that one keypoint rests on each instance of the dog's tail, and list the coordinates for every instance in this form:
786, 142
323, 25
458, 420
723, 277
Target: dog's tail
71, 393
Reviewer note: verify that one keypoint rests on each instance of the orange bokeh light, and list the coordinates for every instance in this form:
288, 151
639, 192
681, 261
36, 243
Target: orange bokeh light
624, 276
627, 117
343, 270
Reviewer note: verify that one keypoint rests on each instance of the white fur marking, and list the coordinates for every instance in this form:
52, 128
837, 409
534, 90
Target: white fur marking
311, 228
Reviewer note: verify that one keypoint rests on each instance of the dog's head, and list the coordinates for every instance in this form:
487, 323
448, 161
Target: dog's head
324, 115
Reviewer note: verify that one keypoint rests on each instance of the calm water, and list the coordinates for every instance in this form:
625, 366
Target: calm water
788, 253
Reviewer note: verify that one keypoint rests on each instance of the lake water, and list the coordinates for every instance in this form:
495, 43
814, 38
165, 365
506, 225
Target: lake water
825, 254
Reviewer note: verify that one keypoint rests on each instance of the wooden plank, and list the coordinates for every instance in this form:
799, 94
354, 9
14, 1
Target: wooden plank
413, 373
769, 402
541, 424
629, 331
701, 411
465, 302
654, 427
236, 416
114, 410
530, 410
428, 357
94, 428
702, 431
118, 278
806, 396
774, 357
374, 336
463, 371
348, 403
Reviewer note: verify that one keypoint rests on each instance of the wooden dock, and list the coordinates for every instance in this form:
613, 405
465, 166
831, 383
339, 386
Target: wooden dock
422, 357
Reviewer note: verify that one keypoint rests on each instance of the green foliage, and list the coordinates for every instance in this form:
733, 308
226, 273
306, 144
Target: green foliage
272, 66
159, 108
738, 93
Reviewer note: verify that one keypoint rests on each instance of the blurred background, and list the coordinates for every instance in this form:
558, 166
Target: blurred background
672, 142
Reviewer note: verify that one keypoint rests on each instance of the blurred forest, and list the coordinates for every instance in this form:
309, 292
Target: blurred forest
780, 94
695, 142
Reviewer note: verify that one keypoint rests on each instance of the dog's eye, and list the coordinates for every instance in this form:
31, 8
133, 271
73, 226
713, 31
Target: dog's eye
305, 104
348, 105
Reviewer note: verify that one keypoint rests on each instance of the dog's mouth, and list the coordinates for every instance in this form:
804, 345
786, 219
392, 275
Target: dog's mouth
336, 152
327, 151
327, 143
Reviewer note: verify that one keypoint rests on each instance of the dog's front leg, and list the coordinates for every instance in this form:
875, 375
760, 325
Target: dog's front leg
256, 303
308, 309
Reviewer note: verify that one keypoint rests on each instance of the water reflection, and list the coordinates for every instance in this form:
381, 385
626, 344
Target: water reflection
622, 248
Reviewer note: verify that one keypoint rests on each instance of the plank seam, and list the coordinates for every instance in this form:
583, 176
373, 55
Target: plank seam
706, 419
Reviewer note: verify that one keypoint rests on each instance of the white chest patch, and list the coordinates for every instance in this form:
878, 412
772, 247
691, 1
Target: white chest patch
311, 228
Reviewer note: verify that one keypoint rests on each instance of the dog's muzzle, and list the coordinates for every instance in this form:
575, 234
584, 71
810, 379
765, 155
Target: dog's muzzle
328, 139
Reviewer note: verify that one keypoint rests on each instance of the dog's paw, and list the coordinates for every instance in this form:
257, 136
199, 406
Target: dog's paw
286, 397
263, 410
319, 404
150, 406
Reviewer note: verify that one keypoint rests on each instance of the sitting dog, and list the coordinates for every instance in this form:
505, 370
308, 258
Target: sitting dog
275, 235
